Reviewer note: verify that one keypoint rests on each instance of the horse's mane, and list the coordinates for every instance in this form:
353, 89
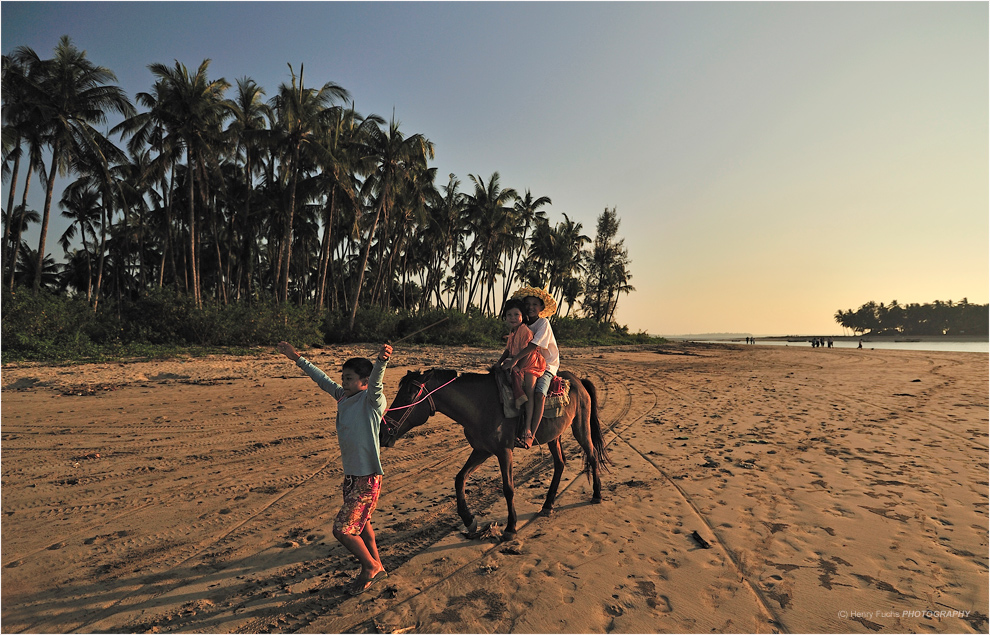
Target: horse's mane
442, 374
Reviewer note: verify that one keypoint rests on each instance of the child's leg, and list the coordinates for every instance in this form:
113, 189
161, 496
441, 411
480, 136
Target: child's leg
368, 537
352, 527
370, 566
528, 384
518, 394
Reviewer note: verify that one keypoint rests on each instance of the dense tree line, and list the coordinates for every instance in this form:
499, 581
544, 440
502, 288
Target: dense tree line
937, 318
220, 194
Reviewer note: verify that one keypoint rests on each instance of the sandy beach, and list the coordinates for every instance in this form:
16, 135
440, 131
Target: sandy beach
832, 490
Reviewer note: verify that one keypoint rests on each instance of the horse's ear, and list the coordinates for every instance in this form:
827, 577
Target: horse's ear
410, 374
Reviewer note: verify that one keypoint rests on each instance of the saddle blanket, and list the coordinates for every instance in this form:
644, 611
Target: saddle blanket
557, 398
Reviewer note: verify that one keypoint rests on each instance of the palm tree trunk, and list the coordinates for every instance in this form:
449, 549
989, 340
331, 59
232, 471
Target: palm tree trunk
283, 294
364, 264
89, 271
386, 275
166, 250
193, 264
325, 251
20, 228
221, 283
167, 246
103, 250
49, 193
382, 268
9, 219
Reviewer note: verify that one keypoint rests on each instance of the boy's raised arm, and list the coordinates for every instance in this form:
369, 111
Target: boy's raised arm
286, 349
384, 353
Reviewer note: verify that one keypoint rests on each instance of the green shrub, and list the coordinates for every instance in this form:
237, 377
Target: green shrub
587, 332
163, 323
45, 326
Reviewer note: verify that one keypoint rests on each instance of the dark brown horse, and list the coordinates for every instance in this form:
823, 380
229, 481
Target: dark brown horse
471, 400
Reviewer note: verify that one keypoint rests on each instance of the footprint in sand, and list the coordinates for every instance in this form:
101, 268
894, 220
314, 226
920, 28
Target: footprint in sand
648, 590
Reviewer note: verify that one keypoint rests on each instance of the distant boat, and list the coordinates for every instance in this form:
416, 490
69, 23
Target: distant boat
907, 340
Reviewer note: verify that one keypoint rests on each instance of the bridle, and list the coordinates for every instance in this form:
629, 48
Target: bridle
393, 426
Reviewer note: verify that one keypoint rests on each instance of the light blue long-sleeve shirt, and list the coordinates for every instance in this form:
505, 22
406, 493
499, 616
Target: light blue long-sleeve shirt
359, 418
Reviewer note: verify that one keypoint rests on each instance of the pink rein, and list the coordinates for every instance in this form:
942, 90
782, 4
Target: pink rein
427, 396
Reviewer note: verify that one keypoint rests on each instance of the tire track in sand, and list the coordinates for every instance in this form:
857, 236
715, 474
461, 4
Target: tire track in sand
619, 431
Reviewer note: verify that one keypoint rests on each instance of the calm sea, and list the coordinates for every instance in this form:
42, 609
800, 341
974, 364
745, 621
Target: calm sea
970, 346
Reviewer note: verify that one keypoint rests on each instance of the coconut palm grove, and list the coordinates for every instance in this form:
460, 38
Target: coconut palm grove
213, 211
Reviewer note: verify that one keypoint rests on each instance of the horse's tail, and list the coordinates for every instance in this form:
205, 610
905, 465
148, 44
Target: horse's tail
598, 442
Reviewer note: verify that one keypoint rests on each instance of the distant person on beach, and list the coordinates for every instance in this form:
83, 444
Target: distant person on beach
523, 362
860, 344
539, 305
360, 406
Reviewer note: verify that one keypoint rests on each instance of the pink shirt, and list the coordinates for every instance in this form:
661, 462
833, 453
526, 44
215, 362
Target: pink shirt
533, 362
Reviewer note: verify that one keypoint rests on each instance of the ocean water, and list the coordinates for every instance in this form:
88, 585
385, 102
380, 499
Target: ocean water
966, 346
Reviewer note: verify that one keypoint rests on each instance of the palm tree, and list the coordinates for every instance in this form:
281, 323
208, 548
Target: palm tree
301, 115
443, 229
571, 291
535, 269
159, 152
16, 108
248, 128
21, 218
26, 270
80, 204
568, 255
394, 155
527, 212
346, 133
189, 108
491, 214
620, 284
21, 128
72, 95
135, 179
418, 194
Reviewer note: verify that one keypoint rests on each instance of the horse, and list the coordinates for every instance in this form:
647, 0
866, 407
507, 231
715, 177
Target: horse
472, 400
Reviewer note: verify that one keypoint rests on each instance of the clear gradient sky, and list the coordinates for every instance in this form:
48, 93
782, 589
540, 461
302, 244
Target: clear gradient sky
770, 162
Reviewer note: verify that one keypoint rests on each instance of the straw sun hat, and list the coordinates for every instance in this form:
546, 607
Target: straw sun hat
550, 305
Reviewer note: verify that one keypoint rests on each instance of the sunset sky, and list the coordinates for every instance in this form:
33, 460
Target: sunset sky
770, 163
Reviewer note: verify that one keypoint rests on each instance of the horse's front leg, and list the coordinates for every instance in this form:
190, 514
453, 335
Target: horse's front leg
505, 465
558, 470
473, 463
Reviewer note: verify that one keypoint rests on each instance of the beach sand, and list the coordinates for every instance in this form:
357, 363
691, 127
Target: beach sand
837, 490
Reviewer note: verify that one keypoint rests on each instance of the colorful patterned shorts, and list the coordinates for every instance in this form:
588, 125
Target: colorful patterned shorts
360, 499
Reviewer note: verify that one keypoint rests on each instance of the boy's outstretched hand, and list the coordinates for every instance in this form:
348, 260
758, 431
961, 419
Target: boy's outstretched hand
384, 352
286, 349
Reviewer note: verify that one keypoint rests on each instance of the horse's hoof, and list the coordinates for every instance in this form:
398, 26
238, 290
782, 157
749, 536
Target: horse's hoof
597, 500
508, 535
546, 512
472, 528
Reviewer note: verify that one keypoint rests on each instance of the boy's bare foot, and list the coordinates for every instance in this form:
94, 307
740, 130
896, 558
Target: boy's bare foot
364, 583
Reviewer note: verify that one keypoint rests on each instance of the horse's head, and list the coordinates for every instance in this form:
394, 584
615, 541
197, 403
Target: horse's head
413, 404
